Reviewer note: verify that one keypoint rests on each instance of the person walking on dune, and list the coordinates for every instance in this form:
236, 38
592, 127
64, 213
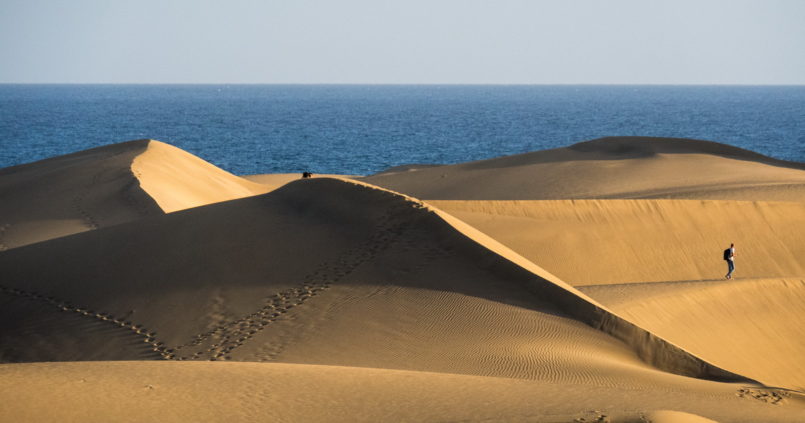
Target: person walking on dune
729, 256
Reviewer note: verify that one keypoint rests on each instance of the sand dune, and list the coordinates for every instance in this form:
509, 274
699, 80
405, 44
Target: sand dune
622, 167
383, 283
177, 180
670, 242
107, 186
336, 300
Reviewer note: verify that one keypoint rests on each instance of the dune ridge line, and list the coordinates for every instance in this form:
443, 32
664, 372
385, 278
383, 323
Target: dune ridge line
613, 167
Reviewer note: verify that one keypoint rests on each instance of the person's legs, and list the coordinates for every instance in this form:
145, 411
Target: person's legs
731, 268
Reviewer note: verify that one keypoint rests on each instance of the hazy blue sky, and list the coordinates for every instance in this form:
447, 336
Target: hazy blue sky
410, 41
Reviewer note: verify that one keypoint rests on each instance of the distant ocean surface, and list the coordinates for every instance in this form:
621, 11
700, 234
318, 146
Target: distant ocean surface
362, 129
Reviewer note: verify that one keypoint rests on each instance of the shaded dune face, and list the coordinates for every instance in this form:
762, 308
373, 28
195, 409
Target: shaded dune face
201, 284
69, 194
617, 167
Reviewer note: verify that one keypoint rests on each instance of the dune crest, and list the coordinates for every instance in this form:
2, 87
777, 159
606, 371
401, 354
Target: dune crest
273, 181
178, 180
106, 186
647, 146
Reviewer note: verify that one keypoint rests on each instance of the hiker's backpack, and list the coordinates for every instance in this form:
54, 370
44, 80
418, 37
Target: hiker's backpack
727, 254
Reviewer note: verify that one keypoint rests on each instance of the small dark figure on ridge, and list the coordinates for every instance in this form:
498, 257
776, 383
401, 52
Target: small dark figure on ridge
729, 256
306, 175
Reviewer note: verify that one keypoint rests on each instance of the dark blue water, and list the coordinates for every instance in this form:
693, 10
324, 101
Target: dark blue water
363, 129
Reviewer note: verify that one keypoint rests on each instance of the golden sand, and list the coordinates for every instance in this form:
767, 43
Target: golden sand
140, 283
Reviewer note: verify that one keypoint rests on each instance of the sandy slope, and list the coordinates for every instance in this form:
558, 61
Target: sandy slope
586, 242
753, 326
247, 255
623, 167
178, 180
258, 392
107, 186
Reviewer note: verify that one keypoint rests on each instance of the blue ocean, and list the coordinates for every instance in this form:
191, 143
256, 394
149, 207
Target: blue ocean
362, 129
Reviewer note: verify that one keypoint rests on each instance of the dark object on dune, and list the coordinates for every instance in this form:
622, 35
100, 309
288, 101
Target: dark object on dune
306, 175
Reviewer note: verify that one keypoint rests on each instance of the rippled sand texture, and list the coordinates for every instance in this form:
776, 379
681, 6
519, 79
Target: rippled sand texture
334, 299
